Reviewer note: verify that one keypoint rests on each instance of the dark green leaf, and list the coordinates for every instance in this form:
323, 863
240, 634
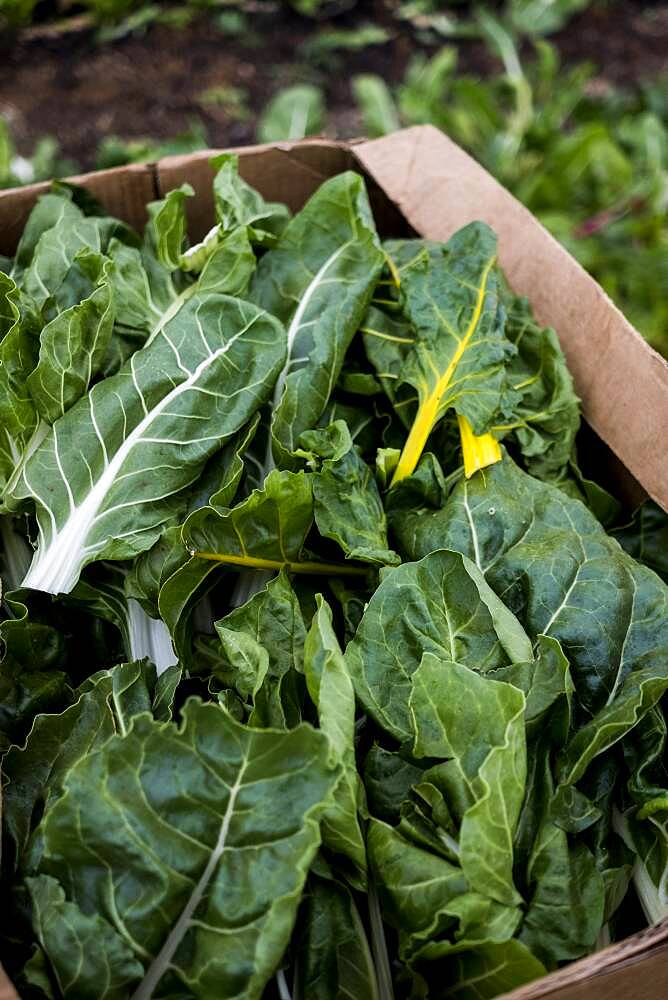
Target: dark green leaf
333, 961
206, 895
318, 280
331, 691
428, 606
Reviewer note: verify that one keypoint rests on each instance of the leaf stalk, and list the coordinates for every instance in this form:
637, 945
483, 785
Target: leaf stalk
307, 567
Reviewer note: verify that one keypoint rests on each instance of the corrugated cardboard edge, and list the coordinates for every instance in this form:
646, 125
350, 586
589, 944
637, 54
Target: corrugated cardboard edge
7, 991
123, 191
437, 187
622, 382
610, 974
285, 172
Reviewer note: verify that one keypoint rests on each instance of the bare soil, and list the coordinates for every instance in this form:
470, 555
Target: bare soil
78, 91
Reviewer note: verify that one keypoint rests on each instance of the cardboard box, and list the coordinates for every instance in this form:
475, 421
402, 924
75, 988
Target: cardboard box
421, 182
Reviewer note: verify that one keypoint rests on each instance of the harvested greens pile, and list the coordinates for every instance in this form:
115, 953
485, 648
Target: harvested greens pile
310, 687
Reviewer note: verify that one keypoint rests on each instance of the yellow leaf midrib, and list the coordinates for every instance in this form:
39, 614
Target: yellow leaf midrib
427, 413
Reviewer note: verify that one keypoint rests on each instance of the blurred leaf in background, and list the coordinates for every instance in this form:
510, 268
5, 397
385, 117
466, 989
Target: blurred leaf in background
324, 48
232, 100
292, 114
377, 105
114, 151
542, 17
42, 164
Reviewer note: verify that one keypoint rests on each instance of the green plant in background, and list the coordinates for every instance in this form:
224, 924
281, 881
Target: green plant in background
16, 12
234, 101
46, 161
43, 163
525, 17
542, 17
325, 47
114, 151
293, 113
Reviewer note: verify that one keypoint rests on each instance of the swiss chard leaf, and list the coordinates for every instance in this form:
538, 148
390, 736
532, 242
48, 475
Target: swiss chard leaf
167, 222
263, 653
88, 955
104, 487
239, 205
331, 691
334, 958
260, 535
430, 606
318, 279
483, 972
142, 289
546, 415
167, 580
105, 705
566, 909
451, 297
206, 895
51, 211
477, 723
19, 346
346, 500
55, 279
73, 350
551, 562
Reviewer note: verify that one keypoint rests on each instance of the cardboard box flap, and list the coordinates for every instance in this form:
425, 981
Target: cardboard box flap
611, 973
285, 172
622, 382
122, 191
288, 173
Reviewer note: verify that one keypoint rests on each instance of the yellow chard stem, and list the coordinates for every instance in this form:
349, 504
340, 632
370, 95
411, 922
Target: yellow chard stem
479, 450
427, 413
312, 568
392, 268
417, 439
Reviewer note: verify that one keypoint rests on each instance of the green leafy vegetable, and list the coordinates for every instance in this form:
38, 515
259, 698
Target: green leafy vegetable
334, 957
432, 606
111, 484
178, 933
331, 690
297, 696
460, 350
319, 280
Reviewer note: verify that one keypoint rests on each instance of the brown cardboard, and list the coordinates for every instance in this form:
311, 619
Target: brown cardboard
419, 181
7, 991
634, 969
123, 191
